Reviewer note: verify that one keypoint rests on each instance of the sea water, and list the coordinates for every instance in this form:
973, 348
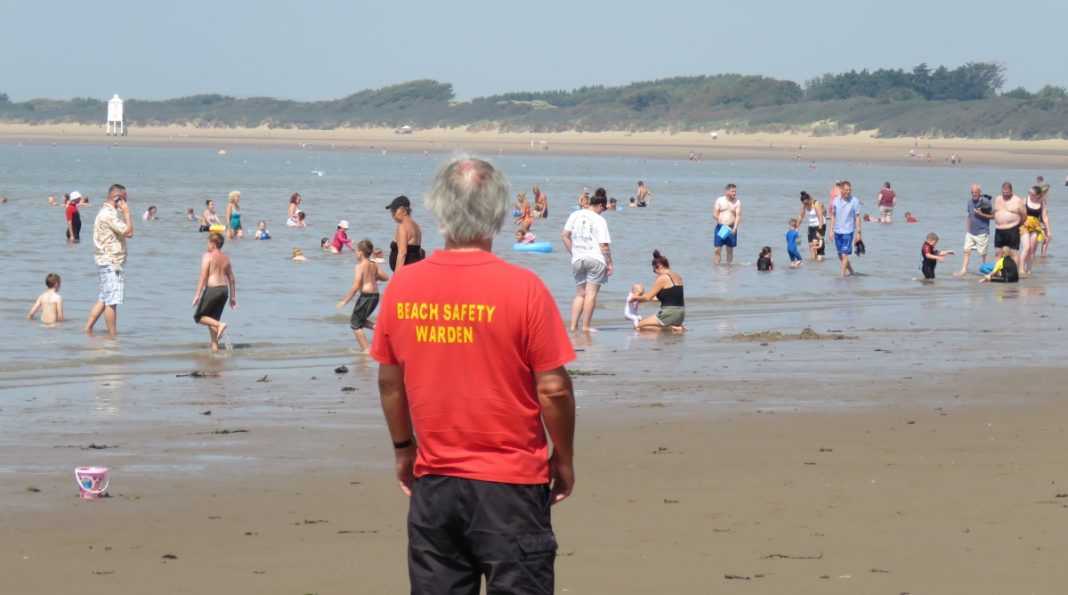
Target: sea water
287, 318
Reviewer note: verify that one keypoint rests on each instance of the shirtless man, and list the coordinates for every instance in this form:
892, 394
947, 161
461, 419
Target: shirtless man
643, 195
215, 285
727, 211
365, 280
1009, 215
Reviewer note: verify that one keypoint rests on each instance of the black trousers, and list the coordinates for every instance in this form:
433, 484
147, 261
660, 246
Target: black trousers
460, 530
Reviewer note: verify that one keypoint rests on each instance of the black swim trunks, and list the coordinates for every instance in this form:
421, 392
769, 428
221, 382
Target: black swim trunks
1008, 238
212, 302
362, 310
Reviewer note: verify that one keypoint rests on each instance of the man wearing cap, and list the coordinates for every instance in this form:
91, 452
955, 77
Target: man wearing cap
586, 238
471, 448
341, 238
111, 228
406, 245
74, 218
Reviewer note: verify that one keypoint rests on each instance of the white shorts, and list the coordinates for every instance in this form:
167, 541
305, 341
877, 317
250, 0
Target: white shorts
112, 284
978, 243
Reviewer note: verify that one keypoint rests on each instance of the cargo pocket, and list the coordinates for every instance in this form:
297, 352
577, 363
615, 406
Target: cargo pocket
536, 545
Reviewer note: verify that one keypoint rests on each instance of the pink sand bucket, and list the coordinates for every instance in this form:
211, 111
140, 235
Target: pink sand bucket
92, 481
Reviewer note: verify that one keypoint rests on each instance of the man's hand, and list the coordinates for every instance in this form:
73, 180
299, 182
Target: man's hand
562, 476
405, 463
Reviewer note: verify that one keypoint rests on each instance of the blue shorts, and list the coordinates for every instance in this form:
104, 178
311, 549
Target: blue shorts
795, 256
843, 242
112, 284
730, 242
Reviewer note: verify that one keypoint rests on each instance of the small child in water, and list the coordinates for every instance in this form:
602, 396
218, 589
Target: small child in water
298, 255
630, 310
261, 231
910, 218
50, 303
522, 237
793, 240
931, 256
764, 260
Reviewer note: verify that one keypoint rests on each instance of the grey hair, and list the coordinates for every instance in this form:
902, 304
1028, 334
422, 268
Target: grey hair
470, 199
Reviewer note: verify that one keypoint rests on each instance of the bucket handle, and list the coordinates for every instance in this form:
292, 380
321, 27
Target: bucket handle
78, 479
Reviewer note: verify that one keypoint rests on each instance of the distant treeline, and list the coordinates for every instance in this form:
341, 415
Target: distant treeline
962, 102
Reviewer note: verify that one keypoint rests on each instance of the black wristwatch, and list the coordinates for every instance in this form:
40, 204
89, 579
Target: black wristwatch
405, 444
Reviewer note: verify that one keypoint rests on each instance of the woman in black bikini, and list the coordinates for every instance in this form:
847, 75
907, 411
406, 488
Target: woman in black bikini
668, 290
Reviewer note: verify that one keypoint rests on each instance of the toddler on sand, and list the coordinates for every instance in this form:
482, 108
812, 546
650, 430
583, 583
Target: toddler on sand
630, 310
50, 303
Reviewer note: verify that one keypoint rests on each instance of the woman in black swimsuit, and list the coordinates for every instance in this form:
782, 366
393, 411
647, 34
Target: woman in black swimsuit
405, 248
668, 290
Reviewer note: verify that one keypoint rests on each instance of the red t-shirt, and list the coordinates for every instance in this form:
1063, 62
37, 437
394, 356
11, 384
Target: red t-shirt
470, 331
71, 210
886, 197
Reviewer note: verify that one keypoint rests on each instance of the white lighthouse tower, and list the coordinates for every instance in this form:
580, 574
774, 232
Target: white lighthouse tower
115, 117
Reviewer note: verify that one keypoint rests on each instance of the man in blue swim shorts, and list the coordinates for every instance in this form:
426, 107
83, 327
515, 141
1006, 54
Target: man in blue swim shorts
111, 228
727, 213
845, 221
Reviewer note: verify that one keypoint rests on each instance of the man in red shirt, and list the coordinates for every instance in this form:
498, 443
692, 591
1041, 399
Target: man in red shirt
74, 218
887, 202
471, 378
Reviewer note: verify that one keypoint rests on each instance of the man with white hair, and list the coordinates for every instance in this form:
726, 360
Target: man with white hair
471, 378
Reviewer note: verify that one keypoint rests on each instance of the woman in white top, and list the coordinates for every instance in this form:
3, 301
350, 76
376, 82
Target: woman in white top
812, 213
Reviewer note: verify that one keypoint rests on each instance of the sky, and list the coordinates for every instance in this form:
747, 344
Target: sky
327, 49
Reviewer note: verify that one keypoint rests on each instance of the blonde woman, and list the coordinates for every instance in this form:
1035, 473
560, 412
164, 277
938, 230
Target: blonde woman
233, 217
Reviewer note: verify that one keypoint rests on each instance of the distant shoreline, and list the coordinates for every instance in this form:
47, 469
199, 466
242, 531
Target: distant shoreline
861, 147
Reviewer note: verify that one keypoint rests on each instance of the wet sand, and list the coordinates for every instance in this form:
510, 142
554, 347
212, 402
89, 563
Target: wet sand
695, 473
861, 147
913, 484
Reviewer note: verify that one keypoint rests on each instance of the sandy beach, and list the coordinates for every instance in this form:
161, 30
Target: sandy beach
924, 484
705, 464
862, 147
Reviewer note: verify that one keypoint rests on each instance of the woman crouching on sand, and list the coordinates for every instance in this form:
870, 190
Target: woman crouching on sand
668, 290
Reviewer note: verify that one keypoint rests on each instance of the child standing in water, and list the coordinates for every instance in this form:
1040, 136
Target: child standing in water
793, 239
50, 303
261, 231
764, 260
931, 256
365, 283
630, 310
215, 285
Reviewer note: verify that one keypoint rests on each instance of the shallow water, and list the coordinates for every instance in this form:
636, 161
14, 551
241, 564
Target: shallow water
286, 321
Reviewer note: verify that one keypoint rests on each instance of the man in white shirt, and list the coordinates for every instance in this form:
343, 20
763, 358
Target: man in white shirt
586, 238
